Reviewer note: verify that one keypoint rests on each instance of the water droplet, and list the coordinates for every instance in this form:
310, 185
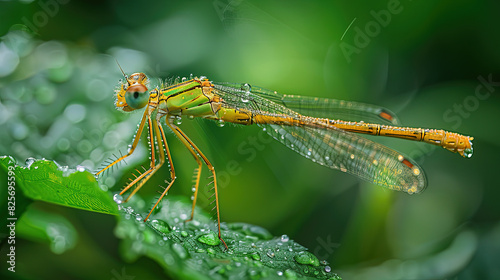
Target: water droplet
29, 161
190, 117
280, 273
328, 269
306, 258
178, 121
246, 87
183, 79
270, 253
209, 239
468, 152
160, 225
179, 249
80, 168
255, 256
290, 274
220, 123
141, 227
118, 198
284, 238
416, 171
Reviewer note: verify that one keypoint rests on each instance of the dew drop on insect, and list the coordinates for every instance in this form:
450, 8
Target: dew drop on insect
416, 171
190, 117
80, 168
328, 269
183, 79
118, 198
220, 123
178, 121
284, 238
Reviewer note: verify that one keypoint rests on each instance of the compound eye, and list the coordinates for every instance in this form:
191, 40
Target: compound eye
137, 96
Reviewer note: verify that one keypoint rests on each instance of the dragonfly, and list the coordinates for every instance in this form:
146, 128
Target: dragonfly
313, 127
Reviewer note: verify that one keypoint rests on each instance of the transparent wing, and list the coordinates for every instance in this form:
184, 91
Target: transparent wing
345, 151
331, 147
320, 107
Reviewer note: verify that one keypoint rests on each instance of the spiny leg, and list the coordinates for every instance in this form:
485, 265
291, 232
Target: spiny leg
142, 179
139, 179
190, 145
196, 177
132, 148
162, 156
187, 143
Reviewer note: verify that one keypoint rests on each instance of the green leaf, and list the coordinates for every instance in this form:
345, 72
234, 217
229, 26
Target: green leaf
45, 180
53, 229
192, 250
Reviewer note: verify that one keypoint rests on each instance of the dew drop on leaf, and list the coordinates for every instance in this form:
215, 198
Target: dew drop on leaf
306, 258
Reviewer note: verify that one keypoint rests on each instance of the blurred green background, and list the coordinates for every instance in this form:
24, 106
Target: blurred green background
436, 64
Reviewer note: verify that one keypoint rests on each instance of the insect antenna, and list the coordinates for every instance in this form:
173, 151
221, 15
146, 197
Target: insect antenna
124, 75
